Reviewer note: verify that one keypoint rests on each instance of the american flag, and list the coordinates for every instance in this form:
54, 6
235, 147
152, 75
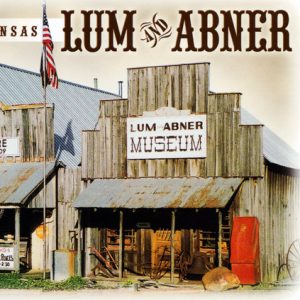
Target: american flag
48, 69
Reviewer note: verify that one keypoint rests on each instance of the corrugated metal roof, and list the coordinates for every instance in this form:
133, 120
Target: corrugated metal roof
275, 150
158, 193
18, 180
76, 107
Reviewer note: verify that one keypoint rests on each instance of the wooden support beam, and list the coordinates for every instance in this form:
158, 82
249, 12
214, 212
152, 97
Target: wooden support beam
8, 207
17, 239
79, 262
55, 213
121, 243
219, 212
172, 245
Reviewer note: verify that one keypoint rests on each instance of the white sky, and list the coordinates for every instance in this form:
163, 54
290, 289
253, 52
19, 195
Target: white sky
268, 81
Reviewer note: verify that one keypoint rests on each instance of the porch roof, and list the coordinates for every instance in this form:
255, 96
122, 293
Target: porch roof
158, 193
19, 180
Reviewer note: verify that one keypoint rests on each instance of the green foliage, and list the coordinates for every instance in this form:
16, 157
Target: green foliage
15, 281
127, 283
72, 283
10, 280
263, 286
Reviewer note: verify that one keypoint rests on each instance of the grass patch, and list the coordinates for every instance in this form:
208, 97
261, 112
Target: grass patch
15, 281
127, 283
263, 286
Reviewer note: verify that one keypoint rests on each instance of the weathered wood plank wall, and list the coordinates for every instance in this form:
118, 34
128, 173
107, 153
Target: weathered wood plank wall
62, 190
69, 186
232, 150
92, 239
28, 125
104, 150
274, 200
179, 86
38, 201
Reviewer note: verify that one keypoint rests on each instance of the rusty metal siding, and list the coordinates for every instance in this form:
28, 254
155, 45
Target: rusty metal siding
19, 180
159, 193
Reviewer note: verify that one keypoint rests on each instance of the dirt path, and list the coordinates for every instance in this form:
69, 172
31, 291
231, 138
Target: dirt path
147, 294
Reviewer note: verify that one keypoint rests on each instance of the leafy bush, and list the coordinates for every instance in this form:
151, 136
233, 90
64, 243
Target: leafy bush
72, 283
10, 281
15, 281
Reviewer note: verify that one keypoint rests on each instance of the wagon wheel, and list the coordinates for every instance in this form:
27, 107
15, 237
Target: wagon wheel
293, 260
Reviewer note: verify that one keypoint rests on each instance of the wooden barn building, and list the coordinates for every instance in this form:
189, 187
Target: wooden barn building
21, 174
170, 167
154, 181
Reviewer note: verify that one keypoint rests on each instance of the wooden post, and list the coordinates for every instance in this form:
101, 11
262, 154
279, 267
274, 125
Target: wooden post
197, 242
219, 212
121, 246
55, 214
79, 263
17, 240
44, 163
172, 245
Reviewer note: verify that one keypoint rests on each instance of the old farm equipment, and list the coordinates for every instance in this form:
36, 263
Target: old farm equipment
185, 264
160, 262
161, 266
107, 267
293, 260
197, 263
291, 266
148, 253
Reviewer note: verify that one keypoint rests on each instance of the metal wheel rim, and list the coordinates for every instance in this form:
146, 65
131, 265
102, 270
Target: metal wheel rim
293, 260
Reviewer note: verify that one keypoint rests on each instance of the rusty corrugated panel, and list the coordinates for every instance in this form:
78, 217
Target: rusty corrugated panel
18, 180
159, 193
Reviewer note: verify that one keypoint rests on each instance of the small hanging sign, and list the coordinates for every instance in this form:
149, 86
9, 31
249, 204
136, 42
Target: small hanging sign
7, 257
9, 146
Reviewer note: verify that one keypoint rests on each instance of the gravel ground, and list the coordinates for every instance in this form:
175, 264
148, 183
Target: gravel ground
153, 293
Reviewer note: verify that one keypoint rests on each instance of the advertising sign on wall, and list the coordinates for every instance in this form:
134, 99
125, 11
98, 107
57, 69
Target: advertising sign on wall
7, 258
9, 147
166, 137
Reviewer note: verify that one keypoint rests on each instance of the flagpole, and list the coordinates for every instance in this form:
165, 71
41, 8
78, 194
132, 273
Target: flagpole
44, 182
49, 75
